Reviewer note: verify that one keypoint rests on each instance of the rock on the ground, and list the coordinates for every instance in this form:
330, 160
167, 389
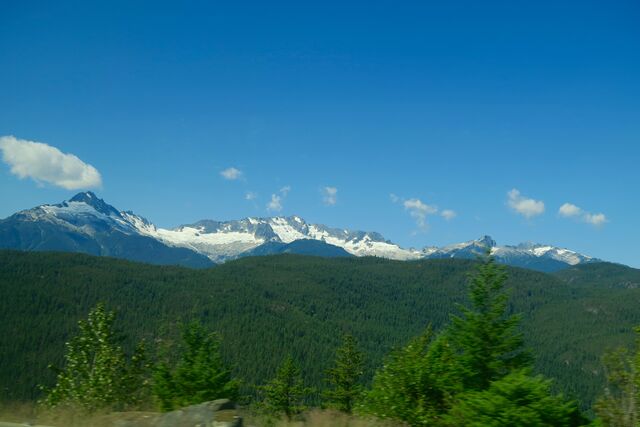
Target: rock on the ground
217, 413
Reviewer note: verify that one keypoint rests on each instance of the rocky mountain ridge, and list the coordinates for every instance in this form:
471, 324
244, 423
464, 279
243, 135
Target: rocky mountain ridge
86, 223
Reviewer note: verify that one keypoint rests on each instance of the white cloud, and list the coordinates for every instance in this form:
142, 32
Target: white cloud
231, 174
250, 195
595, 219
569, 210
448, 214
329, 196
44, 163
275, 204
419, 211
277, 200
524, 206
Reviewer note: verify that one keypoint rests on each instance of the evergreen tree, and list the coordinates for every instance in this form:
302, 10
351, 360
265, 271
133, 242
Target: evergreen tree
285, 393
199, 374
136, 381
344, 377
618, 407
485, 337
516, 400
416, 383
96, 373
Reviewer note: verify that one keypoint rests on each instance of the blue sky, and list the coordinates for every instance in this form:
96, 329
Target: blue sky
406, 109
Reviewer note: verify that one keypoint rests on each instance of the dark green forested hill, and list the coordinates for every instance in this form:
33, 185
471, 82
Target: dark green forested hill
602, 274
268, 307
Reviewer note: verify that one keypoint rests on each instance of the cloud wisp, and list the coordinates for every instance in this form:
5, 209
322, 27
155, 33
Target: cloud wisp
285, 190
448, 214
595, 219
46, 164
231, 174
250, 195
524, 206
275, 204
277, 200
569, 210
420, 210
329, 196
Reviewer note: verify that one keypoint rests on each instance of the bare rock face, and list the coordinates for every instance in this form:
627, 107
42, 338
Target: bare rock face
217, 413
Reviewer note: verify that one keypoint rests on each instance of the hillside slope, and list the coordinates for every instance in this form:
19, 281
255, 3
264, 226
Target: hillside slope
602, 274
267, 307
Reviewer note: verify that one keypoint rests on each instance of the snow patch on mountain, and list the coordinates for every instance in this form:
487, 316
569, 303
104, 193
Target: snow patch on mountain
227, 240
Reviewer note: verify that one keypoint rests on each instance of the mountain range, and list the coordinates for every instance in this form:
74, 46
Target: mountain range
86, 223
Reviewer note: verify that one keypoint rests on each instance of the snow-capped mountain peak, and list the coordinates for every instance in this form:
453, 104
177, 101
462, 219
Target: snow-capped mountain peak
85, 213
487, 242
88, 216
90, 199
86, 223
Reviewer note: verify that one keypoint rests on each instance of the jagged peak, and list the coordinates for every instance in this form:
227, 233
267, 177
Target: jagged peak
90, 198
487, 241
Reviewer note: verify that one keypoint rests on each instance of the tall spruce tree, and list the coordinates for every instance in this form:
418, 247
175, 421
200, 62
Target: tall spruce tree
485, 337
285, 393
198, 376
473, 373
344, 377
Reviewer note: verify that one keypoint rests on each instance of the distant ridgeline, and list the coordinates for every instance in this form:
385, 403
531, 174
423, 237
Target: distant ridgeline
87, 224
270, 306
